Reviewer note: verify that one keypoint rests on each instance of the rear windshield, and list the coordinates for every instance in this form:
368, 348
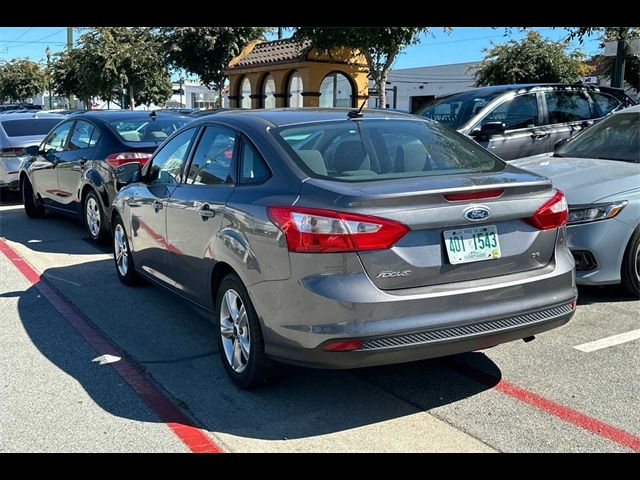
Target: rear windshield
29, 126
366, 150
146, 129
457, 109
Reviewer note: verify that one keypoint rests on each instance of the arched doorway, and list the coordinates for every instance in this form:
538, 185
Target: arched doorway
336, 90
245, 93
268, 92
295, 90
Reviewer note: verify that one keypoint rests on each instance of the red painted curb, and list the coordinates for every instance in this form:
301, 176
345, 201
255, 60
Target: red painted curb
130, 372
558, 410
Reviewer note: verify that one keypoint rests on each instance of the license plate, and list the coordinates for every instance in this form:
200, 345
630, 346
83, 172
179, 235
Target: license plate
472, 244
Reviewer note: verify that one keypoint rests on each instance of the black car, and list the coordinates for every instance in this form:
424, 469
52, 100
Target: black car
74, 170
515, 121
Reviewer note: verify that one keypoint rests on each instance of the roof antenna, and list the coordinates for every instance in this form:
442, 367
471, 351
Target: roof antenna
153, 115
353, 114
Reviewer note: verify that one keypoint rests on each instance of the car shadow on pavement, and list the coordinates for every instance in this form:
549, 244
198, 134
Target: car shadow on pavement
177, 348
55, 233
608, 293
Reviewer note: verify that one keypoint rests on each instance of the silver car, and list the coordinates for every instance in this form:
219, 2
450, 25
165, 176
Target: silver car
17, 132
330, 238
599, 172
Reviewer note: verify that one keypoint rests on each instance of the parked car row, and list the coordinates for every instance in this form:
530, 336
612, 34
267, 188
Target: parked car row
339, 239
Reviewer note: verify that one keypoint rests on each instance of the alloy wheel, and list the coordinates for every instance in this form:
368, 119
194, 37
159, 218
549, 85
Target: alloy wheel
121, 250
92, 212
234, 330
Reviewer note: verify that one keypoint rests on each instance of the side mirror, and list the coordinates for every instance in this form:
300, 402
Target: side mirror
560, 143
128, 173
488, 130
33, 150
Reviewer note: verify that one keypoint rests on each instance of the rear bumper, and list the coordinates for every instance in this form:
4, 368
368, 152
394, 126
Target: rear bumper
299, 316
10, 173
606, 241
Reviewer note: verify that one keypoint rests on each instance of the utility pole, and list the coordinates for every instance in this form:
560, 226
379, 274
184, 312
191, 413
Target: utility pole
181, 92
618, 74
279, 33
72, 101
48, 54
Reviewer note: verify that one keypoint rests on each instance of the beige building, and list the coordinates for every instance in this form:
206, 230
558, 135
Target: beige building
287, 73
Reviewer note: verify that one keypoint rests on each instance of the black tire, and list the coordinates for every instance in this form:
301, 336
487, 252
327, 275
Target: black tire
631, 265
259, 369
129, 276
32, 205
100, 231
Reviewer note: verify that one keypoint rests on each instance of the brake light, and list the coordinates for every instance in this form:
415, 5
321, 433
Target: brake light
552, 214
116, 160
458, 197
12, 152
313, 230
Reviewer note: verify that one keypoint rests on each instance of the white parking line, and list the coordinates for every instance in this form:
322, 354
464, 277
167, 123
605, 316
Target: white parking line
609, 341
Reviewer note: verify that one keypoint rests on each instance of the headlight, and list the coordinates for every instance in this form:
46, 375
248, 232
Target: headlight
593, 213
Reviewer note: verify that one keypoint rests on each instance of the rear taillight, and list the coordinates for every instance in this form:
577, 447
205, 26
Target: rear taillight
118, 159
342, 346
12, 152
312, 230
482, 195
552, 214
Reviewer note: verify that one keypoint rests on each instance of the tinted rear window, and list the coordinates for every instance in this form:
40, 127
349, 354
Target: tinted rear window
383, 149
146, 129
29, 126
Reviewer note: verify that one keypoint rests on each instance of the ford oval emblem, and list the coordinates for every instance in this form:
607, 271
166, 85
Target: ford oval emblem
476, 214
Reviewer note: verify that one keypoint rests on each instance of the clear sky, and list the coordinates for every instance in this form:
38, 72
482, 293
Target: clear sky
463, 44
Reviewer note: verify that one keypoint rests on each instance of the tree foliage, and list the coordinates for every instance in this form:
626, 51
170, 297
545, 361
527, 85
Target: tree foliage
379, 45
109, 59
531, 60
206, 51
606, 65
21, 79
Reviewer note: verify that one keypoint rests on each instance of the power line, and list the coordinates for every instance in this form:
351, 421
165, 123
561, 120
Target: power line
24, 33
39, 39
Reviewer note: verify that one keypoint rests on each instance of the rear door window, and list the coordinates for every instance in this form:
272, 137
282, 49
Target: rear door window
567, 106
606, 103
84, 135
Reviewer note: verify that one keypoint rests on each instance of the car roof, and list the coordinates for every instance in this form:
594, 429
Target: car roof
634, 109
27, 116
115, 115
279, 117
530, 86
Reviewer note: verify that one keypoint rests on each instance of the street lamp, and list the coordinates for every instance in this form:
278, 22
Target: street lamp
48, 54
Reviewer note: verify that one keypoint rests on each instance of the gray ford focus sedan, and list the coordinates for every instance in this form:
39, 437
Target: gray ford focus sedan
335, 238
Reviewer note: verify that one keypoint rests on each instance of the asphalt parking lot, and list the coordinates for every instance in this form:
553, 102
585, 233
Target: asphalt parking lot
541, 396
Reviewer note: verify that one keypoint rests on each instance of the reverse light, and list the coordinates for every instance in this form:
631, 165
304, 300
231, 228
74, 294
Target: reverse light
314, 230
116, 160
552, 214
593, 213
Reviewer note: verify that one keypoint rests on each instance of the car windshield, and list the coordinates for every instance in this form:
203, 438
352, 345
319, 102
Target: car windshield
147, 129
614, 138
377, 149
457, 109
29, 126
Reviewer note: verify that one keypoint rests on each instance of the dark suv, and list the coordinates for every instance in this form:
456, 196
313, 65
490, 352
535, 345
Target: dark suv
515, 121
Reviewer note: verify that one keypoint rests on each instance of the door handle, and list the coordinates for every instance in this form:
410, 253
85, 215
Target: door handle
537, 135
157, 206
205, 211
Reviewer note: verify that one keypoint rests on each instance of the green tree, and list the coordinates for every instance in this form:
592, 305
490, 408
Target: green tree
107, 59
207, 51
606, 65
380, 46
21, 79
531, 60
